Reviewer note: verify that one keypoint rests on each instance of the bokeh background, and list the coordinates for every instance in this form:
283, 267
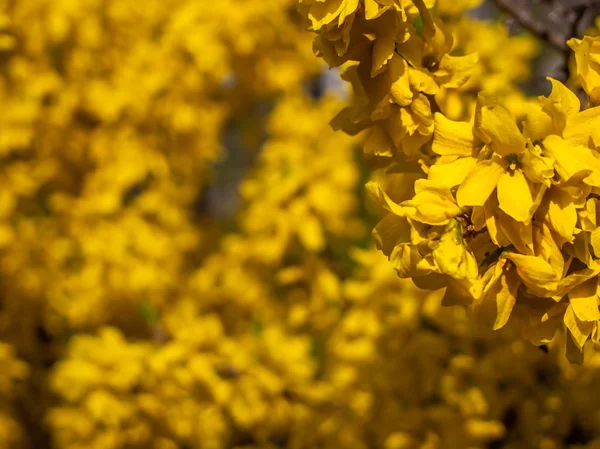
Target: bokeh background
185, 250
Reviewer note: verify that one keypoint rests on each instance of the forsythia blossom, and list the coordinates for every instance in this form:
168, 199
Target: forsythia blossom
14, 373
397, 56
504, 216
137, 312
294, 194
503, 64
507, 215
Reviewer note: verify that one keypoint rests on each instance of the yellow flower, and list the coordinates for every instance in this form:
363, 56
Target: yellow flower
322, 13
494, 156
503, 62
517, 221
452, 257
395, 66
293, 194
587, 58
14, 374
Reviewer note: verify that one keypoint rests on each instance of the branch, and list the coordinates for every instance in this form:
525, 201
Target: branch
553, 25
553, 21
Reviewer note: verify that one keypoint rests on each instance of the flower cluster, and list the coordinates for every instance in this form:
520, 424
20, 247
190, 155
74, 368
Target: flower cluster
397, 57
12, 377
136, 312
293, 194
112, 120
504, 213
272, 384
504, 61
307, 347
112, 117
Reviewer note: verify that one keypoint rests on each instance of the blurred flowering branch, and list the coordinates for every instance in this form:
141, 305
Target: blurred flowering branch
554, 21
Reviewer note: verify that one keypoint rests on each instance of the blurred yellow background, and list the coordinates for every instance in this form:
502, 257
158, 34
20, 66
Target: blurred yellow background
185, 258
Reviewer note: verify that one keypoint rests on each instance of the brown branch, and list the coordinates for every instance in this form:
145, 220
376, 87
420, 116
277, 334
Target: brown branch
553, 21
556, 34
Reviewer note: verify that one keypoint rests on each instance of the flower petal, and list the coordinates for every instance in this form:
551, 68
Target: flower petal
452, 138
573, 161
496, 126
580, 330
558, 212
584, 300
560, 104
514, 196
479, 183
452, 174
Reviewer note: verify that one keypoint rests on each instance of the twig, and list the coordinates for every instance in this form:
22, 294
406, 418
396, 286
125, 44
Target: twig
522, 12
553, 21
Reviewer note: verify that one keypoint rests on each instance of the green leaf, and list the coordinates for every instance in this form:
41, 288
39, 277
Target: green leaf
149, 313
257, 327
419, 25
